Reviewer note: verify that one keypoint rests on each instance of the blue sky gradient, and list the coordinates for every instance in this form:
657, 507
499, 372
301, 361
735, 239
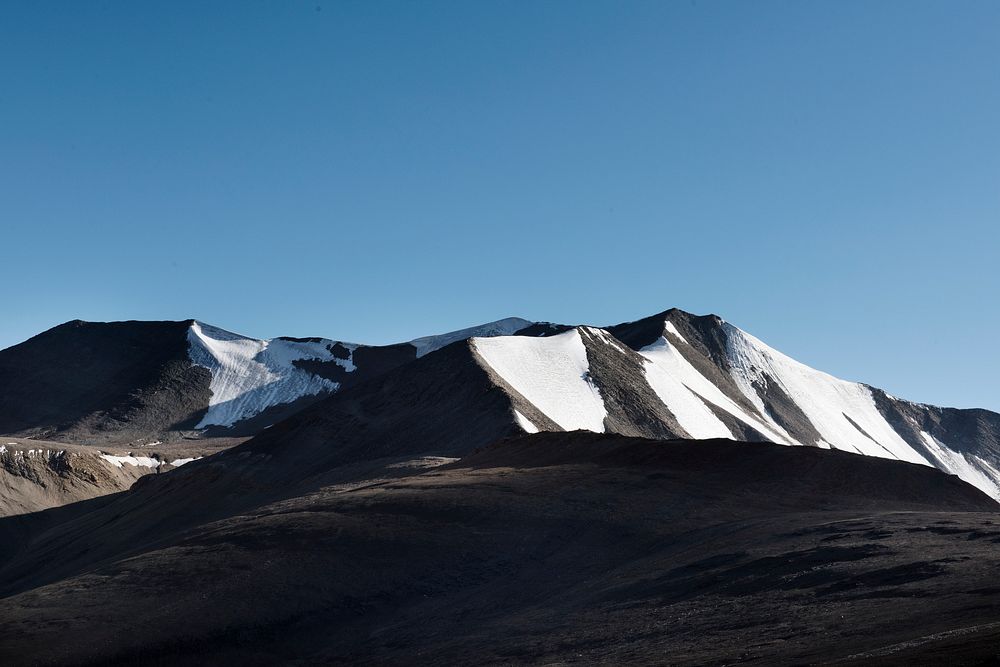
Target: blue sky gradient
825, 175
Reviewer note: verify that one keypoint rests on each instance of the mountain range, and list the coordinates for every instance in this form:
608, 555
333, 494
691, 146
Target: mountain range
668, 490
671, 375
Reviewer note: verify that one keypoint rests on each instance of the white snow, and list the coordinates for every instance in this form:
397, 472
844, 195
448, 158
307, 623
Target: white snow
824, 399
250, 375
504, 327
177, 463
552, 373
677, 382
525, 423
691, 412
960, 465
138, 461
671, 329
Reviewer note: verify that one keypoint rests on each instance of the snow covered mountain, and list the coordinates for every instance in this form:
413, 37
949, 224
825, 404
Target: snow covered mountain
249, 376
673, 375
400, 472
679, 375
95, 383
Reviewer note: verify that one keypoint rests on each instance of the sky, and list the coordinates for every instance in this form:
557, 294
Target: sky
825, 175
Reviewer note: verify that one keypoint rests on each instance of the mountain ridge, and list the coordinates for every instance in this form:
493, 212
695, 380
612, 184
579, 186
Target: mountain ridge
669, 375
135, 381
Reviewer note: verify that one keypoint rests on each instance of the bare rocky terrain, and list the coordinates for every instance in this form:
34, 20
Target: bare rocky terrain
39, 474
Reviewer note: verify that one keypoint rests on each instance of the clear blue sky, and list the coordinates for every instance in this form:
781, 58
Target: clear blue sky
825, 175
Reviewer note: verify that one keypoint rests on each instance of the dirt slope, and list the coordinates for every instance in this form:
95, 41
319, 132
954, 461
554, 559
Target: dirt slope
552, 548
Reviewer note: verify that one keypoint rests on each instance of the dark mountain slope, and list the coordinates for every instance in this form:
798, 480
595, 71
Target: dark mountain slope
131, 382
443, 403
119, 380
632, 407
542, 549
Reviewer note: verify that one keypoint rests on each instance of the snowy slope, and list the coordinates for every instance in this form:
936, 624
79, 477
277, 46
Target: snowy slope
504, 327
679, 385
830, 404
250, 375
690, 409
552, 373
972, 469
775, 396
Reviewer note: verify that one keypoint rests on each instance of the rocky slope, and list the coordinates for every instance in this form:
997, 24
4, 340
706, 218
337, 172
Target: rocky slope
36, 475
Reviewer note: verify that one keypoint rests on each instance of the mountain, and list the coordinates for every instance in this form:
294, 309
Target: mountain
568, 493
540, 549
673, 375
117, 382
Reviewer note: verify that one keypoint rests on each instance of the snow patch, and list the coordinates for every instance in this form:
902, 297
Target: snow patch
691, 412
829, 403
671, 329
525, 423
504, 327
677, 382
177, 463
552, 373
138, 461
250, 375
958, 464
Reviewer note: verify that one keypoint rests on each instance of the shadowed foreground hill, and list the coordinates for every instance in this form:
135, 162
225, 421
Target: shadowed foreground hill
555, 547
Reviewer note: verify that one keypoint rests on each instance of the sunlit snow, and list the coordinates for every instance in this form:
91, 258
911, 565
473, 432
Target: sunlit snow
250, 375
825, 400
959, 464
553, 373
671, 329
138, 461
525, 423
504, 327
177, 463
673, 378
